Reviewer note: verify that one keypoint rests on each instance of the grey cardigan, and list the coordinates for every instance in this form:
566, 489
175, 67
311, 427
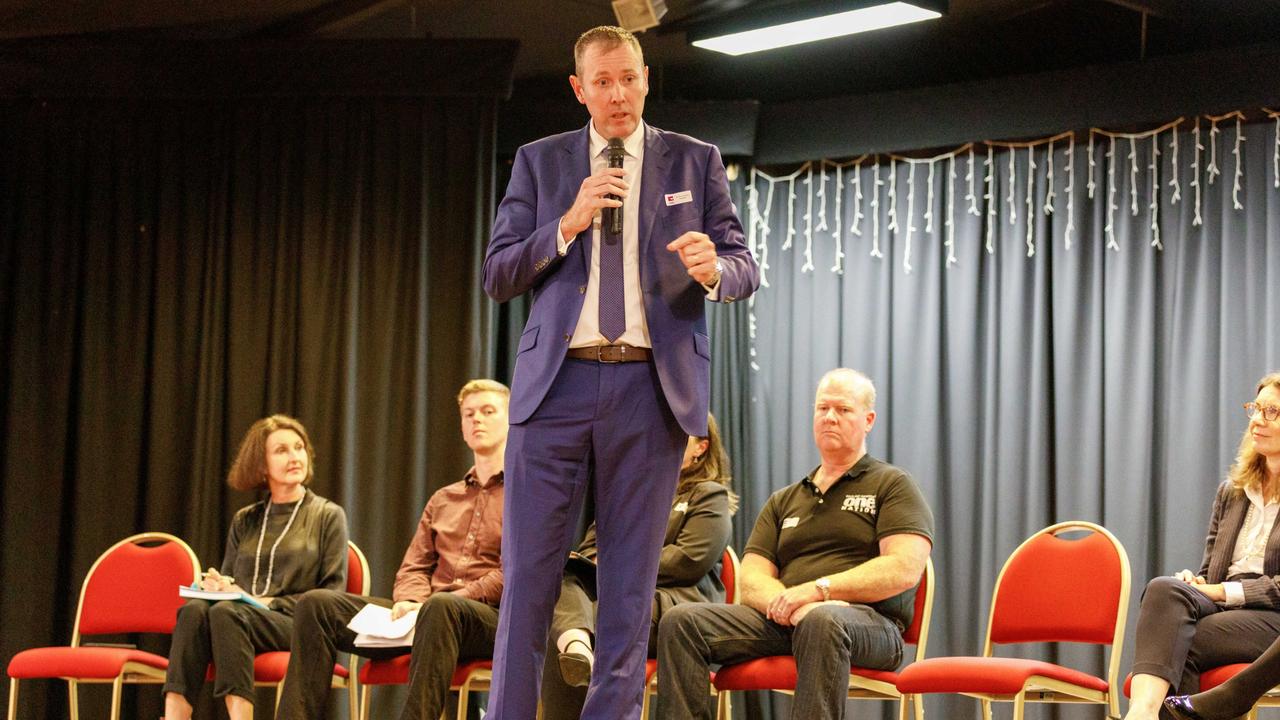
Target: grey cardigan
1229, 509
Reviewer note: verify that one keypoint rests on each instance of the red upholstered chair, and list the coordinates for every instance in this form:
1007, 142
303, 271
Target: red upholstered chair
131, 588
778, 672
270, 668
468, 677
729, 570
1051, 589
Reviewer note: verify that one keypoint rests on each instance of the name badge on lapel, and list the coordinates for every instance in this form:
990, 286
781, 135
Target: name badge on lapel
680, 198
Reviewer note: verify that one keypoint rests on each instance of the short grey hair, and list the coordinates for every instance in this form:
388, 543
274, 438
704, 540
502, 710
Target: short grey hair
864, 391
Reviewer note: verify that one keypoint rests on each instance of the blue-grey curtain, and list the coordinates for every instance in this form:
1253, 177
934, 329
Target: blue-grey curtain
1083, 383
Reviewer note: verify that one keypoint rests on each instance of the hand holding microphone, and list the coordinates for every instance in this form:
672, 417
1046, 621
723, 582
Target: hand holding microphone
602, 191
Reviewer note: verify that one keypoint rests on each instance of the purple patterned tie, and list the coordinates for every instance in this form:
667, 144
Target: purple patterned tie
613, 311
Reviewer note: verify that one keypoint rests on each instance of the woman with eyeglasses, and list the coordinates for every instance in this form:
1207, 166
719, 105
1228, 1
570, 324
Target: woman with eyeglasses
1229, 610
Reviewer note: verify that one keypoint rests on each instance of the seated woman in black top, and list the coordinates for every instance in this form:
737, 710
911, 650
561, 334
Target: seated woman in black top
688, 571
290, 542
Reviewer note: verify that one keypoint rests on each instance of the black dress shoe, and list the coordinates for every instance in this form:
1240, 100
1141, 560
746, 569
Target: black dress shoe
1178, 707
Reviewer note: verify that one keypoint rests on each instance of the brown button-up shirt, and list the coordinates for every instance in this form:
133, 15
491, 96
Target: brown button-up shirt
458, 543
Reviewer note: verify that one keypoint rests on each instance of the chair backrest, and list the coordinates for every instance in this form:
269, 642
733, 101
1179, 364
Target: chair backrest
133, 586
917, 633
729, 574
1058, 589
358, 580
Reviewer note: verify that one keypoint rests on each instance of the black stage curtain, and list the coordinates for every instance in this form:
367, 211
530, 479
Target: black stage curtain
172, 270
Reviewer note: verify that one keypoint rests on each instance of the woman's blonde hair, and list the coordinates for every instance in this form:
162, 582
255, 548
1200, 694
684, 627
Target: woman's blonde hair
711, 466
249, 470
1250, 467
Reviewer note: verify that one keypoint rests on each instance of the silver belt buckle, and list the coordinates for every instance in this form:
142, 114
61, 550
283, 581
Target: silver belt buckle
600, 354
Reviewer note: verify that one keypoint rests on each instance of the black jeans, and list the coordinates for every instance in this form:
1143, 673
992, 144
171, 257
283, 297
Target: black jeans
229, 634
1181, 632
826, 643
449, 628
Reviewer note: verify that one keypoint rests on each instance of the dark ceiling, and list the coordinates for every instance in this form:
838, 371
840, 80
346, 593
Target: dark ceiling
978, 39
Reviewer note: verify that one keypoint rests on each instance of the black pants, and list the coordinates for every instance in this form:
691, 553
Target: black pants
229, 634
449, 628
576, 608
1181, 633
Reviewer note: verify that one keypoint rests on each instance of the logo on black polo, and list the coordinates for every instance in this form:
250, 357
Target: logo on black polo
860, 504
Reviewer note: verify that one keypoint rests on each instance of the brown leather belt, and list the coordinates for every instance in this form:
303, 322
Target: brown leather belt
611, 353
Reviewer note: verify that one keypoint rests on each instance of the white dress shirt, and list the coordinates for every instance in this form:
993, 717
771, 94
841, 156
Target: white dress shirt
1251, 544
587, 332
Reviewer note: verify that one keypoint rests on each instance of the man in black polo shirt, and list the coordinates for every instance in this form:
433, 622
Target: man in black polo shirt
828, 575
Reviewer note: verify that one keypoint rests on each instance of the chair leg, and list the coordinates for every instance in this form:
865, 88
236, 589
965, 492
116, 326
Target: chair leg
986, 710
13, 698
275, 709
73, 700
722, 705
919, 702
464, 694
644, 705
364, 702
117, 688
1020, 705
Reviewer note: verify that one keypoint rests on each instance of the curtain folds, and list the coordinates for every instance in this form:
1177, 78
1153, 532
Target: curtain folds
174, 269
1083, 383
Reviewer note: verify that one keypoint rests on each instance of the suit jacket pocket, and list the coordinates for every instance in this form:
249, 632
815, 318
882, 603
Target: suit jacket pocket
702, 345
528, 340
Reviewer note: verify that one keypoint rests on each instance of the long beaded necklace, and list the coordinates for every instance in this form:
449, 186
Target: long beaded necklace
271, 560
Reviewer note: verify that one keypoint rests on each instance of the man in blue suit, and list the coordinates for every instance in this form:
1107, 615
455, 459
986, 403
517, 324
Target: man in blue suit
613, 369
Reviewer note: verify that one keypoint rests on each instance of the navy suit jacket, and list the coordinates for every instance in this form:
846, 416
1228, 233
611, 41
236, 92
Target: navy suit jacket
523, 257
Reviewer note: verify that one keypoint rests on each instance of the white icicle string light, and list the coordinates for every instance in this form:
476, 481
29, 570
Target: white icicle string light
856, 227
1092, 182
1195, 172
1110, 228
1275, 151
951, 208
791, 211
1133, 176
1154, 207
753, 211
893, 195
1013, 208
837, 233
1173, 167
1212, 171
875, 211
808, 222
990, 198
1048, 178
1070, 191
911, 225
928, 206
972, 199
1239, 174
1031, 215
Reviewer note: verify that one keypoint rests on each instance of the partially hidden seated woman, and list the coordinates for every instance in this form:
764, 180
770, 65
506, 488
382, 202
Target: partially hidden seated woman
290, 542
1229, 611
688, 571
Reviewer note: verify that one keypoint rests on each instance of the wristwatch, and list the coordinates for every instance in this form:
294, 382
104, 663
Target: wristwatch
824, 584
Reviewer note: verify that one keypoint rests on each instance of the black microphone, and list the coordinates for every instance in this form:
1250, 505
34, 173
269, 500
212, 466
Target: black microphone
616, 153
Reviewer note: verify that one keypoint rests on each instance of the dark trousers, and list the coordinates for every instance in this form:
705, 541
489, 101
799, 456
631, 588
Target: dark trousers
576, 608
610, 422
229, 634
449, 628
825, 644
1182, 633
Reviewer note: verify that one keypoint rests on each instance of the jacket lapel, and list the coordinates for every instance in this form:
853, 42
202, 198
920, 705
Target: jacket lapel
576, 168
653, 174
